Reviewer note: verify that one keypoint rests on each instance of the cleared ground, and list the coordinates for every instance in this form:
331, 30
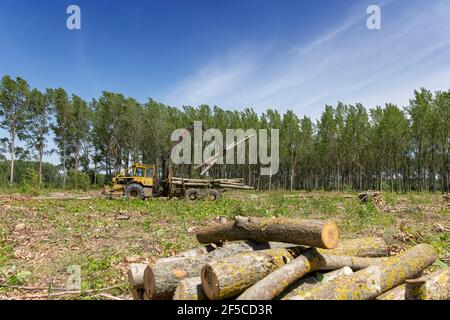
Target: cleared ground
41, 237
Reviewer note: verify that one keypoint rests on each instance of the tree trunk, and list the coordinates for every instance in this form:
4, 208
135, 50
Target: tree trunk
434, 286
162, 278
76, 167
309, 282
190, 289
64, 166
374, 280
276, 282
227, 278
315, 233
13, 155
40, 166
398, 293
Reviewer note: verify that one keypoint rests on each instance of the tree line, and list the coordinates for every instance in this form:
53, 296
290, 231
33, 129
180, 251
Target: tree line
399, 148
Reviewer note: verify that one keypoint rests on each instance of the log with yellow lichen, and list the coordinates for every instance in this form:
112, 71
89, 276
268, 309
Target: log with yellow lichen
162, 278
229, 277
313, 280
434, 286
397, 293
370, 282
359, 247
277, 281
190, 289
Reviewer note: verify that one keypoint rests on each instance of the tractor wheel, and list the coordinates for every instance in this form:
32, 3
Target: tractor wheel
135, 191
191, 194
213, 194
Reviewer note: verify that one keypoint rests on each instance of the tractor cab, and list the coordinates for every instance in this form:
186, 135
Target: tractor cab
143, 173
135, 182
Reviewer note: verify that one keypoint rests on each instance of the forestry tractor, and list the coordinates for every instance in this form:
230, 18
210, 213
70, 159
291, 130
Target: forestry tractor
145, 180
142, 181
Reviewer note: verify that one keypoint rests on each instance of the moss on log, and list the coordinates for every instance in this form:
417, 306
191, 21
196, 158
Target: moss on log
370, 282
434, 286
308, 282
190, 289
229, 277
277, 281
359, 247
162, 278
314, 233
332, 262
398, 293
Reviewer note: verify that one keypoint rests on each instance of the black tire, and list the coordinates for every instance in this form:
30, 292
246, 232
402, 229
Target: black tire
191, 194
134, 191
213, 195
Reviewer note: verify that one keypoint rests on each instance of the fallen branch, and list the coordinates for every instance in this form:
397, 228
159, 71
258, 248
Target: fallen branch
65, 293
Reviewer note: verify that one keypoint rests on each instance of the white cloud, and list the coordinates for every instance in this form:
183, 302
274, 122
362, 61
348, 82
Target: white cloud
350, 64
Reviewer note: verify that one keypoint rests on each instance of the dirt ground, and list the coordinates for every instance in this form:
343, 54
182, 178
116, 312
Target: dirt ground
42, 236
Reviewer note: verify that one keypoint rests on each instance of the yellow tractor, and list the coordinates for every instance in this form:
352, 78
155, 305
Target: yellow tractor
144, 180
138, 182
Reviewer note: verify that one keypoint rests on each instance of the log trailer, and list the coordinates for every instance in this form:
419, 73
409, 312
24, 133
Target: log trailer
146, 180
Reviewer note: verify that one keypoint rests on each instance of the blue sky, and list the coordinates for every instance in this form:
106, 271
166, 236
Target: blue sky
287, 54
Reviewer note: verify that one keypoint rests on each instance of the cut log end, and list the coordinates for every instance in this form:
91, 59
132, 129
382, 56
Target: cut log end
149, 283
210, 283
330, 235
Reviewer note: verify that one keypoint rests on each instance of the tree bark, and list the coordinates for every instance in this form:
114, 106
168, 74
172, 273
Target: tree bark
374, 280
315, 233
398, 293
231, 276
13, 155
276, 282
40, 165
190, 289
434, 286
309, 282
359, 247
162, 278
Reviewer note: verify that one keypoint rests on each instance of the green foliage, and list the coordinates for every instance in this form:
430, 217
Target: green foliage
6, 253
30, 182
348, 148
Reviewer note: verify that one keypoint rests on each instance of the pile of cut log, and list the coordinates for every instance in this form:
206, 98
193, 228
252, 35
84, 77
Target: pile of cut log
281, 258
